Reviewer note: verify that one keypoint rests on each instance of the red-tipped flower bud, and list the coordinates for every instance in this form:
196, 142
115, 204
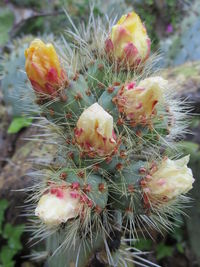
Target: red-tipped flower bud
43, 68
128, 41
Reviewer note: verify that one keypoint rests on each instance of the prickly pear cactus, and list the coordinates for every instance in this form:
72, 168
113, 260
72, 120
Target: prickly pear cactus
14, 83
115, 124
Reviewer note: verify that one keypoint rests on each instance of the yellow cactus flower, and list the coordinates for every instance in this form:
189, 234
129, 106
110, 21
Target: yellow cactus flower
94, 132
128, 41
171, 179
58, 206
43, 68
139, 102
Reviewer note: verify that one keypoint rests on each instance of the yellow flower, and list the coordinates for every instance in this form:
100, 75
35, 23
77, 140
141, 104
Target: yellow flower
43, 68
170, 180
58, 206
128, 40
139, 102
94, 132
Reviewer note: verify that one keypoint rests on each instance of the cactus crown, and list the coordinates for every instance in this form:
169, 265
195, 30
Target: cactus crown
114, 122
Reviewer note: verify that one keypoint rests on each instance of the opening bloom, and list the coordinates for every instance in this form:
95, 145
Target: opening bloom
57, 206
43, 68
94, 131
170, 180
128, 40
138, 103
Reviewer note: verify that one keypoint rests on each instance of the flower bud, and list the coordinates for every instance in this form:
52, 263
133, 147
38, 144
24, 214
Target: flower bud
43, 68
57, 206
94, 132
128, 40
170, 180
139, 102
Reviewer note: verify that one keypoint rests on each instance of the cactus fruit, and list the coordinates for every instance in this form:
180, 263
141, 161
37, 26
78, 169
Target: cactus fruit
116, 176
69, 102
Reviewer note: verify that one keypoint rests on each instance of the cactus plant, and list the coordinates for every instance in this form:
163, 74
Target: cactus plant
116, 178
17, 95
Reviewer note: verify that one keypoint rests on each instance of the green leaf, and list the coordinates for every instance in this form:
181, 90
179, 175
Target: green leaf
178, 234
13, 236
180, 248
3, 207
144, 244
189, 147
163, 251
195, 120
18, 123
171, 3
6, 256
149, 2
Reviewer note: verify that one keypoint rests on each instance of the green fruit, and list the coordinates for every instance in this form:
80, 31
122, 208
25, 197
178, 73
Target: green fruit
126, 186
70, 104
